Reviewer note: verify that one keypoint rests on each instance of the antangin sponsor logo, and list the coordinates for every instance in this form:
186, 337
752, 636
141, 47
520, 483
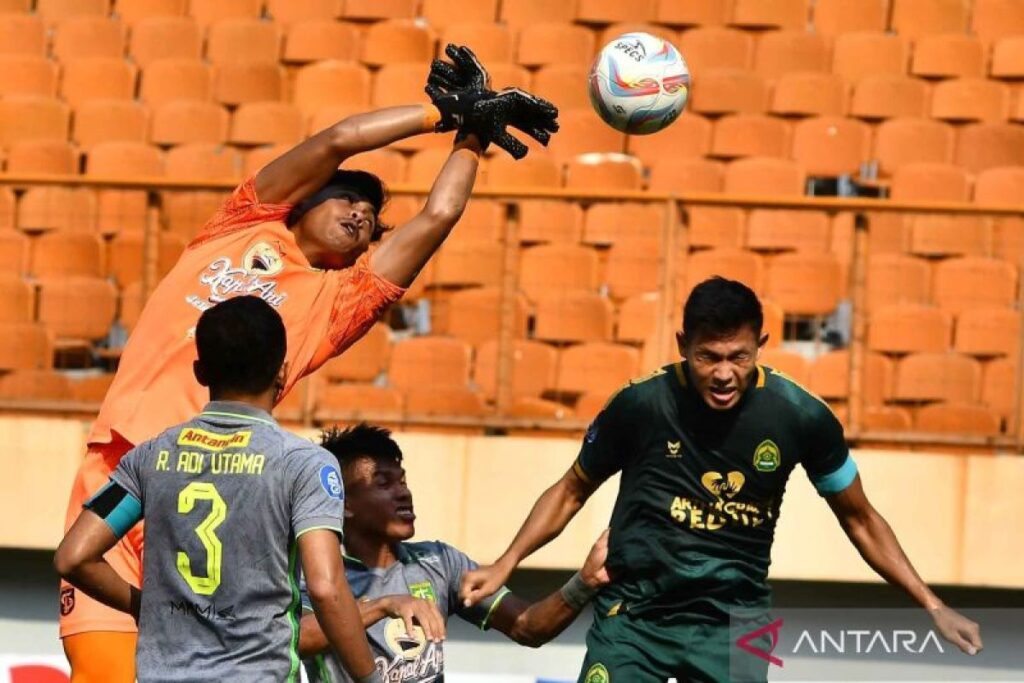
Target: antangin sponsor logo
211, 441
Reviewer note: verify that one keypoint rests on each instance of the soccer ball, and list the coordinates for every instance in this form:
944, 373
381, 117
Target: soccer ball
639, 83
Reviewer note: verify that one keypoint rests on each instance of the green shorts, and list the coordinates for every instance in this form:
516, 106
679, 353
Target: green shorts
655, 649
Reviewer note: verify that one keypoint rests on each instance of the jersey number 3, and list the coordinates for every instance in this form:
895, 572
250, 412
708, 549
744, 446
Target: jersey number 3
203, 585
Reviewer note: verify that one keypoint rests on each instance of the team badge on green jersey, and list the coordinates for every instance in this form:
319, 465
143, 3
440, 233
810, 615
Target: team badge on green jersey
423, 590
597, 674
767, 457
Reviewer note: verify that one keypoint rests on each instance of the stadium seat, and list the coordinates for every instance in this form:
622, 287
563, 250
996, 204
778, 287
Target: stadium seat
464, 263
686, 175
66, 253
829, 377
176, 123
77, 307
91, 388
992, 20
125, 256
638, 318
908, 328
1008, 58
609, 222
529, 408
716, 226
937, 377
999, 388
208, 12
88, 36
888, 96
804, 283
1003, 185
449, 402
202, 161
35, 385
961, 419
364, 360
733, 264
399, 84
360, 401
971, 99
474, 315
97, 78
596, 367
483, 219
22, 34
693, 13
716, 47
435, 362
573, 317
948, 55
287, 12
907, 140
688, 137
784, 229
765, 177
28, 75
239, 83
18, 299
379, 9
987, 331
98, 121
442, 14
518, 13
536, 170
25, 346
397, 41
633, 267
831, 146
980, 146
165, 38
917, 18
531, 373
860, 54
608, 172
554, 43
492, 43
581, 131
750, 135
57, 208
728, 91
130, 308
789, 363
318, 39
791, 14
783, 52
612, 31
810, 94
897, 279
588, 406
925, 181
167, 80
550, 220
42, 156
423, 167
123, 209
562, 84
834, 17
262, 123
509, 76
256, 159
132, 11
53, 11
7, 212
885, 419
607, 11
557, 267
946, 235
243, 40
963, 284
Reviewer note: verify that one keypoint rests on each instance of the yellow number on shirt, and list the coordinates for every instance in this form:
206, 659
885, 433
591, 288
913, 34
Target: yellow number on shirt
203, 585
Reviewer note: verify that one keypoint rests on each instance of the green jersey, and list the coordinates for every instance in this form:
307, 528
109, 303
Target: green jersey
700, 490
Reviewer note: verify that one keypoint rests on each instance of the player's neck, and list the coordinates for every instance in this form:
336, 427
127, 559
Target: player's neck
264, 401
373, 552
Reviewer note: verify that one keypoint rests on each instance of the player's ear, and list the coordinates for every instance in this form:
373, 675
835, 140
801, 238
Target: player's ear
762, 341
681, 343
197, 369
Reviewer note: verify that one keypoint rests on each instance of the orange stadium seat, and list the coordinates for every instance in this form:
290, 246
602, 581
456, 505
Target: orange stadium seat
831, 146
638, 318
693, 13
509, 76
1008, 58
917, 18
999, 388
131, 11
562, 84
829, 376
22, 34
790, 363
55, 10
7, 212
207, 12
202, 161
716, 226
686, 175
517, 13
131, 304
633, 267
1003, 185
445, 13
733, 264
782, 52
35, 385
804, 283
596, 367
238, 83
364, 360
688, 137
529, 408
557, 268
555, 43
944, 235
423, 167
550, 220
261, 123
398, 84
461, 263
897, 279
167, 80
18, 297
91, 388
995, 19
887, 96
957, 418
493, 43
606, 11
176, 123
716, 47
750, 135
458, 402
610, 172
125, 158
99, 121
57, 208
765, 176
589, 405
474, 315
938, 377
361, 401
88, 36
609, 222
948, 55
907, 328
774, 319
257, 158
971, 99
290, 11
834, 17
727, 91
317, 39
613, 31
885, 419
777, 14
28, 75
243, 40
97, 78
532, 370
962, 284
536, 170
379, 9
783, 229
810, 94
483, 219
77, 307
435, 362
165, 38
926, 181
980, 146
987, 331
573, 317
125, 255
869, 53
25, 346
581, 131
397, 41
907, 140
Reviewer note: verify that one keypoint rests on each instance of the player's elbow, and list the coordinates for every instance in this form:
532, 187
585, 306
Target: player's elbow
444, 212
322, 591
67, 560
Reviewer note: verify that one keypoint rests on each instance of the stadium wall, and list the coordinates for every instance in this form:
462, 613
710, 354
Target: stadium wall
956, 515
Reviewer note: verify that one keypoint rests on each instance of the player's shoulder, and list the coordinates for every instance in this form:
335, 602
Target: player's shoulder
803, 404
431, 555
641, 390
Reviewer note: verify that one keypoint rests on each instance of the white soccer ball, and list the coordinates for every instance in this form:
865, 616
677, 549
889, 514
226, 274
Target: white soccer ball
639, 83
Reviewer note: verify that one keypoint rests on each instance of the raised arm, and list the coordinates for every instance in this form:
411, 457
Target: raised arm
877, 544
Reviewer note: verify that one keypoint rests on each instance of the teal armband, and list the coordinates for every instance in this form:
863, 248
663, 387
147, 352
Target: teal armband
837, 481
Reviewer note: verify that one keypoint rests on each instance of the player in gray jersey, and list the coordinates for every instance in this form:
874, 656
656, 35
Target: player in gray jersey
406, 590
232, 504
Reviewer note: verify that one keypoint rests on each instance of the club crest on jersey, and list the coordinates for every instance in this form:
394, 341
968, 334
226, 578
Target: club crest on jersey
262, 259
767, 457
723, 487
423, 590
598, 673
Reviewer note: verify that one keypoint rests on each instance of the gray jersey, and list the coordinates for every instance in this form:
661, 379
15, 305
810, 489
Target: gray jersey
224, 497
430, 570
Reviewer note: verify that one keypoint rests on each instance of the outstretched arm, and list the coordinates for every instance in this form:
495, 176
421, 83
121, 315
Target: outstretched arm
401, 257
877, 544
304, 169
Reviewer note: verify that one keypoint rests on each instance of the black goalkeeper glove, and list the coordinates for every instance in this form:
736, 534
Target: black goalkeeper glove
454, 88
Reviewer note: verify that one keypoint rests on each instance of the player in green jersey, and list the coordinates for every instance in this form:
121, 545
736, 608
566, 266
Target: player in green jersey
704, 448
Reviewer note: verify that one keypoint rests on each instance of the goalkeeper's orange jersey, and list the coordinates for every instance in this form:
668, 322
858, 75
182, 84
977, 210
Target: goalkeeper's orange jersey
244, 249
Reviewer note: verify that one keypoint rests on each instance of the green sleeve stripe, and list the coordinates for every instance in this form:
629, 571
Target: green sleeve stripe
494, 606
321, 667
314, 528
837, 481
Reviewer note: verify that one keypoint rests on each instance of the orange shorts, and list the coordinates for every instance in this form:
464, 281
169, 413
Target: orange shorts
78, 612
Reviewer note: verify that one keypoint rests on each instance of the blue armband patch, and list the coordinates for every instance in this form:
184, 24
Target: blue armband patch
837, 481
115, 506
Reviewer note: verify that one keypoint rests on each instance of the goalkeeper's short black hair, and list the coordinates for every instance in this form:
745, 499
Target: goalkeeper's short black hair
351, 185
241, 345
361, 441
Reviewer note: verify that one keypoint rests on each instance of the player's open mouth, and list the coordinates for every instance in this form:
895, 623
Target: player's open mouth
351, 228
405, 513
722, 396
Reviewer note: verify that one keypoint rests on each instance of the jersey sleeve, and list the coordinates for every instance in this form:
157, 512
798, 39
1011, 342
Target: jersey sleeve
317, 493
241, 210
827, 459
602, 453
456, 564
119, 502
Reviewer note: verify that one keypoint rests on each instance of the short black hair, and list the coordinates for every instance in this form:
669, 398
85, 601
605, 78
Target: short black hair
361, 441
352, 185
241, 344
718, 306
